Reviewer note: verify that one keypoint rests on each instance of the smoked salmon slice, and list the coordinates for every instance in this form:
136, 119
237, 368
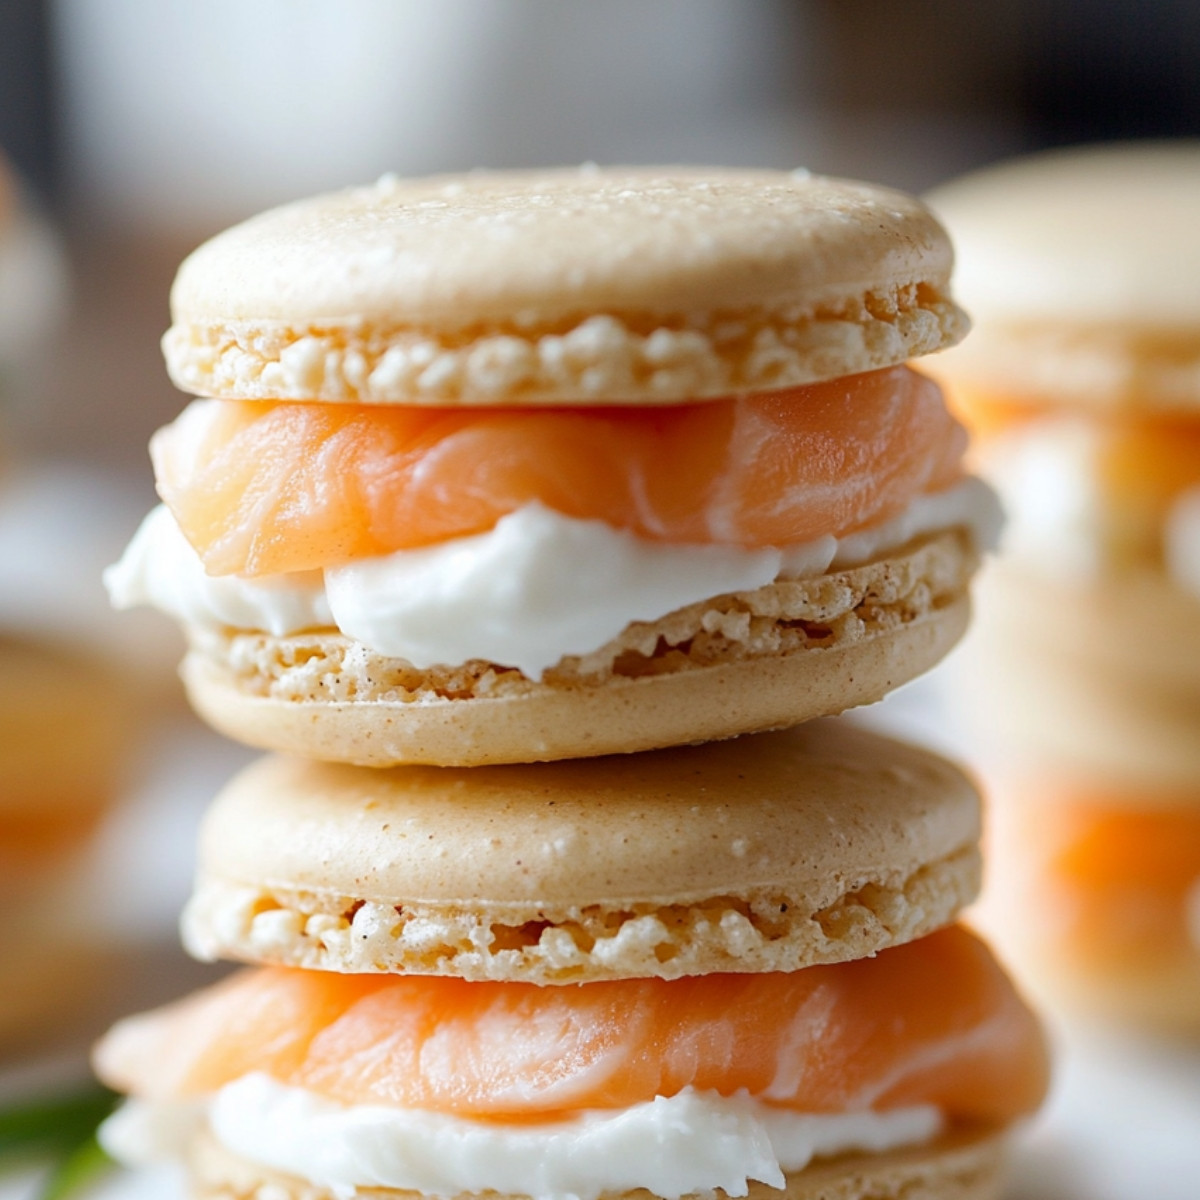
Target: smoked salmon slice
268, 487
932, 1022
1143, 461
1118, 876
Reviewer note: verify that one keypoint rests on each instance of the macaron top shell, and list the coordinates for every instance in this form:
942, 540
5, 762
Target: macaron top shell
1101, 234
793, 809
646, 285
1080, 269
791, 823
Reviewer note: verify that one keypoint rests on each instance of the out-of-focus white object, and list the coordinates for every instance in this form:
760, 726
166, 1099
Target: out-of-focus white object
33, 285
1182, 541
60, 526
195, 114
1120, 1124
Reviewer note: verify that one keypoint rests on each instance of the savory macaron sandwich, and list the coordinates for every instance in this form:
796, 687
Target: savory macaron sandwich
1083, 381
749, 979
539, 465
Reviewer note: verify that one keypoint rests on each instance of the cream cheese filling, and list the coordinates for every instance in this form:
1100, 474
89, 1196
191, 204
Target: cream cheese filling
1058, 519
1047, 482
536, 588
672, 1146
1181, 543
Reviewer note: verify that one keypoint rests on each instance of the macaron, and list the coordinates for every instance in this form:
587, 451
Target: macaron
67, 727
816, 845
731, 966
1112, 873
66, 724
1092, 677
1082, 676
961, 1166
499, 468
1082, 377
1076, 266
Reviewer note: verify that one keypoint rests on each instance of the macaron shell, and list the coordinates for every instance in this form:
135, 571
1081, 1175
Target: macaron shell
1086, 946
965, 1165
1105, 368
818, 844
628, 285
1100, 676
783, 654
1099, 235
1079, 267
1160, 998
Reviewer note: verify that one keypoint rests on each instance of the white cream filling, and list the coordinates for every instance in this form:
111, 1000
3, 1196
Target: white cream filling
536, 588
1057, 518
1046, 478
672, 1146
1181, 542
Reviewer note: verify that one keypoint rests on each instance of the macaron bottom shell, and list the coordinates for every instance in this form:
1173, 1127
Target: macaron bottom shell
844, 639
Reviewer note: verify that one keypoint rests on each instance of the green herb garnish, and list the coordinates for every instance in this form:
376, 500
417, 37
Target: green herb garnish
61, 1132
83, 1165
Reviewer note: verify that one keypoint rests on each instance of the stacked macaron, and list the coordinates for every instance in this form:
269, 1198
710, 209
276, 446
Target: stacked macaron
524, 467
66, 722
1084, 376
66, 727
498, 479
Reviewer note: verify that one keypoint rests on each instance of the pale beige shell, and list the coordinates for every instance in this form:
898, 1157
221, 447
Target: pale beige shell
647, 285
773, 852
1068, 692
1080, 269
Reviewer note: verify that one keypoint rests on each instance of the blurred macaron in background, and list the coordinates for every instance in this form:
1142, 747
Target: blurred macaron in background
1082, 380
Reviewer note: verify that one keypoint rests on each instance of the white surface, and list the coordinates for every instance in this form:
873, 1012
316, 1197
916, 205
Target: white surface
1123, 1123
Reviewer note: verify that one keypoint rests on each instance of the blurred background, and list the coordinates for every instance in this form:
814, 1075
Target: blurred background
144, 126
137, 128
